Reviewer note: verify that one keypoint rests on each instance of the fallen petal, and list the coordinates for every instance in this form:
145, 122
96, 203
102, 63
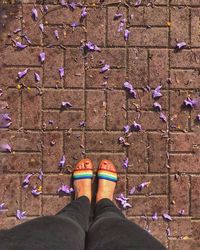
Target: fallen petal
154, 216
37, 77
180, 45
156, 93
135, 127
105, 68
26, 181
125, 163
42, 57
34, 14
126, 34
20, 45
61, 72
5, 147
22, 73
56, 34
117, 16
157, 106
163, 117
5, 121
41, 26
66, 105
167, 217
62, 162
20, 215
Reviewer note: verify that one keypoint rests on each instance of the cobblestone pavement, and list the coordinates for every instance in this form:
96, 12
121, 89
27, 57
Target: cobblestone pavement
164, 156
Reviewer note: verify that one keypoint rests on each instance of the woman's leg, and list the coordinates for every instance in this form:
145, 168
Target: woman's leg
112, 231
64, 231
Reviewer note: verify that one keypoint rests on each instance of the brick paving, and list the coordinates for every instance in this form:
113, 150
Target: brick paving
166, 154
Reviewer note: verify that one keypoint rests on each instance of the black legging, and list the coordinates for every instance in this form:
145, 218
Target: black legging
70, 230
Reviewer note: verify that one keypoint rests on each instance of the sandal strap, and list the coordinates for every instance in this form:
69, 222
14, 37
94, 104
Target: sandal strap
107, 175
83, 174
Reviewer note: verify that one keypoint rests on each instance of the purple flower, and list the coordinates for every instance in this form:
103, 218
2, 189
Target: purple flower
82, 123
34, 14
126, 128
105, 68
72, 6
5, 147
35, 191
117, 16
66, 105
19, 45
62, 162
20, 215
40, 176
41, 26
141, 186
132, 191
92, 47
167, 217
154, 216
121, 140
5, 121
26, 181
180, 45
121, 25
1, 92
2, 206
156, 93
126, 34
22, 73
37, 77
61, 72
83, 13
65, 189
56, 34
198, 117
138, 3
163, 117
135, 127
17, 30
191, 103
157, 106
27, 39
125, 163
42, 57
74, 24
181, 212
128, 86
168, 231
123, 201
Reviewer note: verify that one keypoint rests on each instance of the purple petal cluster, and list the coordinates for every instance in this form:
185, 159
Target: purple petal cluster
123, 201
20, 215
5, 121
156, 93
26, 181
65, 189
129, 87
62, 162
89, 46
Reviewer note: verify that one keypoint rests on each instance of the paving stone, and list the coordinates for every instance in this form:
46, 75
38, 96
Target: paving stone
116, 115
95, 110
179, 196
185, 59
138, 153
148, 37
181, 227
195, 195
10, 193
179, 25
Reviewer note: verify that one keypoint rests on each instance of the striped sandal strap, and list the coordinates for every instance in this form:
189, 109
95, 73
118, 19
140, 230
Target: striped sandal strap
83, 174
107, 175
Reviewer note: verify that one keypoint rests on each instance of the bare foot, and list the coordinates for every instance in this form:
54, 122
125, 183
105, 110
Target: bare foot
106, 187
83, 186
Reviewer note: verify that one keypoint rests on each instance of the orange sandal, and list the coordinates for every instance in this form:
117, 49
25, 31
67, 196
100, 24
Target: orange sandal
84, 173
107, 174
